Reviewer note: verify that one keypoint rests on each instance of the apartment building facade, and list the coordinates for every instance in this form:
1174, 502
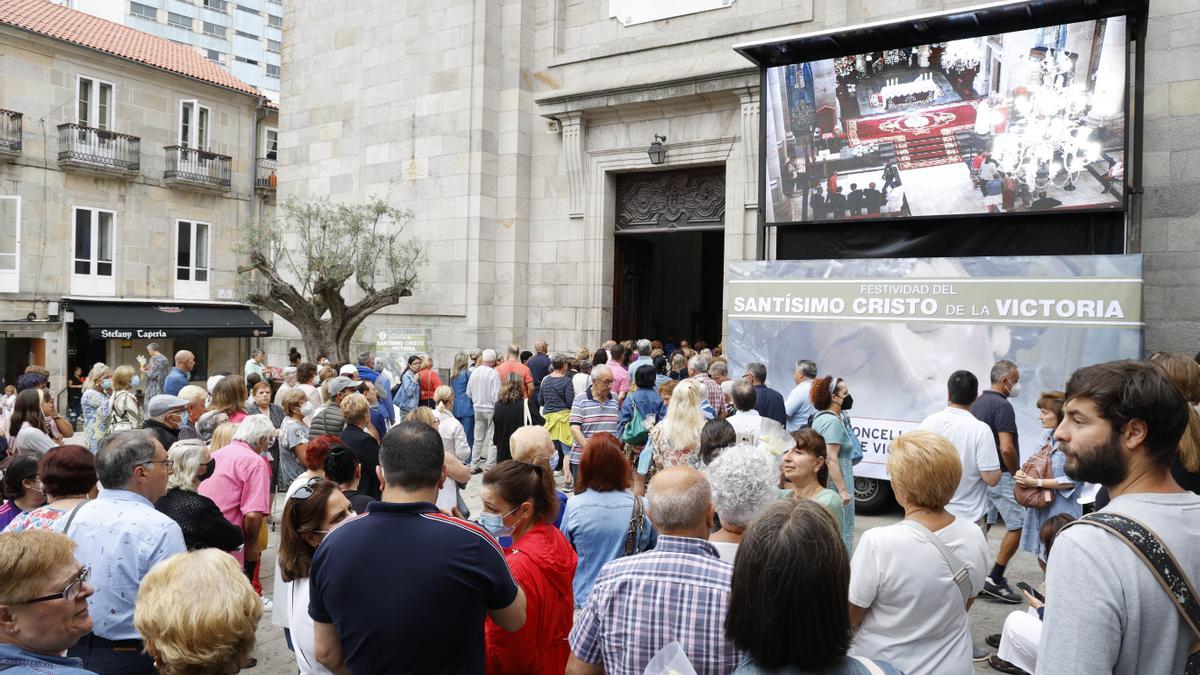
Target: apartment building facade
245, 36
128, 166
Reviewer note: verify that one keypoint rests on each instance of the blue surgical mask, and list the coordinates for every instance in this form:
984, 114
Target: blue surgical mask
107, 384
137, 379
494, 523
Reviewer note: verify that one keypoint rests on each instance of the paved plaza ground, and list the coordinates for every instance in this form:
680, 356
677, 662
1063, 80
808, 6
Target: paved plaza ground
986, 616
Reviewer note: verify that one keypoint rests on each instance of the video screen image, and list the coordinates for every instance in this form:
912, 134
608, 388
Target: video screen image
1026, 121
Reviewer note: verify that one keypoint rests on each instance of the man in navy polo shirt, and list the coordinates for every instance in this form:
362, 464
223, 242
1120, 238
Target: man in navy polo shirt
404, 589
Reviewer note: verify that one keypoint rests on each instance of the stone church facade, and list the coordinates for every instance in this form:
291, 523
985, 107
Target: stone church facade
510, 128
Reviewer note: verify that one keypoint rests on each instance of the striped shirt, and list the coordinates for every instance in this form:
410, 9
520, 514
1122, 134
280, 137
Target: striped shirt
593, 417
678, 591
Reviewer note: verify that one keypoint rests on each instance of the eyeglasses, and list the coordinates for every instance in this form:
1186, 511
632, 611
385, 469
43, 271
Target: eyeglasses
168, 463
70, 592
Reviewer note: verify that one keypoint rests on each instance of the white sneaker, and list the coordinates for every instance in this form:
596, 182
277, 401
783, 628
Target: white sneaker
267, 604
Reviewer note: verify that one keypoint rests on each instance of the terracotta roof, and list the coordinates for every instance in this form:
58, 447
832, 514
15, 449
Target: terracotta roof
46, 18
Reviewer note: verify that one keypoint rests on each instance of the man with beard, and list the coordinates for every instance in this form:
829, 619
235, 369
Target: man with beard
1106, 611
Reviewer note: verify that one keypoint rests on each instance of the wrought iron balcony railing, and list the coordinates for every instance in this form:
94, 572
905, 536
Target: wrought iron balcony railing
198, 168
98, 149
10, 132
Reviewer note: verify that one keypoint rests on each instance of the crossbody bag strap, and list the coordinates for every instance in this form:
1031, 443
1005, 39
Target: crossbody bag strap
1155, 554
634, 535
71, 516
958, 569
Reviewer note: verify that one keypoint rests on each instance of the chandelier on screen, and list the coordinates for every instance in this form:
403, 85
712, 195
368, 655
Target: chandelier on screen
1048, 143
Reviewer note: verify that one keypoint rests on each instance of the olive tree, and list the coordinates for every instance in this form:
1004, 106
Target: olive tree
304, 265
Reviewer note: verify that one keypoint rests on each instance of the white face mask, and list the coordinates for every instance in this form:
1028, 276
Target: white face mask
1015, 391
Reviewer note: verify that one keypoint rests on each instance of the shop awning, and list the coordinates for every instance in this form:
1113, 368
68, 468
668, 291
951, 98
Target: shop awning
166, 320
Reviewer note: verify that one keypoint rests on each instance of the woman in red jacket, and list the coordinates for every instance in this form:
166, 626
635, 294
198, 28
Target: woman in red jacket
519, 508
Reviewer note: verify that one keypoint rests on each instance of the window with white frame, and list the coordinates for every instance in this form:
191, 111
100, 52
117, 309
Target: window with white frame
144, 11
93, 268
274, 21
248, 36
271, 144
213, 55
213, 30
95, 100
179, 20
193, 125
10, 244
218, 5
272, 70
191, 259
273, 46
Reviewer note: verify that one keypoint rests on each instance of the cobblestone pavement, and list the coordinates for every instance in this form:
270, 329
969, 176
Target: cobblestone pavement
986, 616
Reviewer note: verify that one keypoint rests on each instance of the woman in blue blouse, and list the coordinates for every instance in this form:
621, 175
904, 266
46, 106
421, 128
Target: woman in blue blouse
597, 518
464, 411
1065, 490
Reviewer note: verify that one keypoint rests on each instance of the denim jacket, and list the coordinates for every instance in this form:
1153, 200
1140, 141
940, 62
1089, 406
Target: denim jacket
22, 661
596, 524
646, 400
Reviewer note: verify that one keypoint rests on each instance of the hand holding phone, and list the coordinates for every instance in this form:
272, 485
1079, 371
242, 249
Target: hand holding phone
1031, 590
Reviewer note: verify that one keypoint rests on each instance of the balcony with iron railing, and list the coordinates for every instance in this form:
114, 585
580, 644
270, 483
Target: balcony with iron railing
10, 133
265, 180
98, 150
191, 168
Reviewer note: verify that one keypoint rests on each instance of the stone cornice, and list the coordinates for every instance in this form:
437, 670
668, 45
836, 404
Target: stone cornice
731, 81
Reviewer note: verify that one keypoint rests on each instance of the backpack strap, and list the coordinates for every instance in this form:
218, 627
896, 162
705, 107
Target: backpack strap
1161, 562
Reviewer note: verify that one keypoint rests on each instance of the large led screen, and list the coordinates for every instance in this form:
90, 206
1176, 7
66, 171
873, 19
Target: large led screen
1027, 121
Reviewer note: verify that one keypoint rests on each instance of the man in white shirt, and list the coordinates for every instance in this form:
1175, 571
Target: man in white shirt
975, 445
482, 388
746, 422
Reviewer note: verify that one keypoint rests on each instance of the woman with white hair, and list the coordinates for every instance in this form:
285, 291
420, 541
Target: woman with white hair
744, 480
676, 440
201, 521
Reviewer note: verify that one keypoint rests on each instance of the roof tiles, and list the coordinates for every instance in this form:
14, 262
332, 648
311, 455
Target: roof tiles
46, 18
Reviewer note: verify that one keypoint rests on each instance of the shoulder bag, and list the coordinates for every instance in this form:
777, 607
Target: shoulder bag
634, 535
1038, 466
958, 570
856, 451
120, 418
1161, 562
636, 432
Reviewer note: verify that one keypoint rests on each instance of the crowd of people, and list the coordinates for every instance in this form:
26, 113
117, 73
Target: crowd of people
640, 504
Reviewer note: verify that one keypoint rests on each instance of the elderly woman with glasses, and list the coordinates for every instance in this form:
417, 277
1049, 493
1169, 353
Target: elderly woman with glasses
43, 603
202, 523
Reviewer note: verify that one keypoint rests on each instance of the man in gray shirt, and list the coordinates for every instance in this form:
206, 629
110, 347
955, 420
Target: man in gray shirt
1105, 611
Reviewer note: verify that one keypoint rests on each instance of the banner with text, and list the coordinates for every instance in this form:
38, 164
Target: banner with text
896, 328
